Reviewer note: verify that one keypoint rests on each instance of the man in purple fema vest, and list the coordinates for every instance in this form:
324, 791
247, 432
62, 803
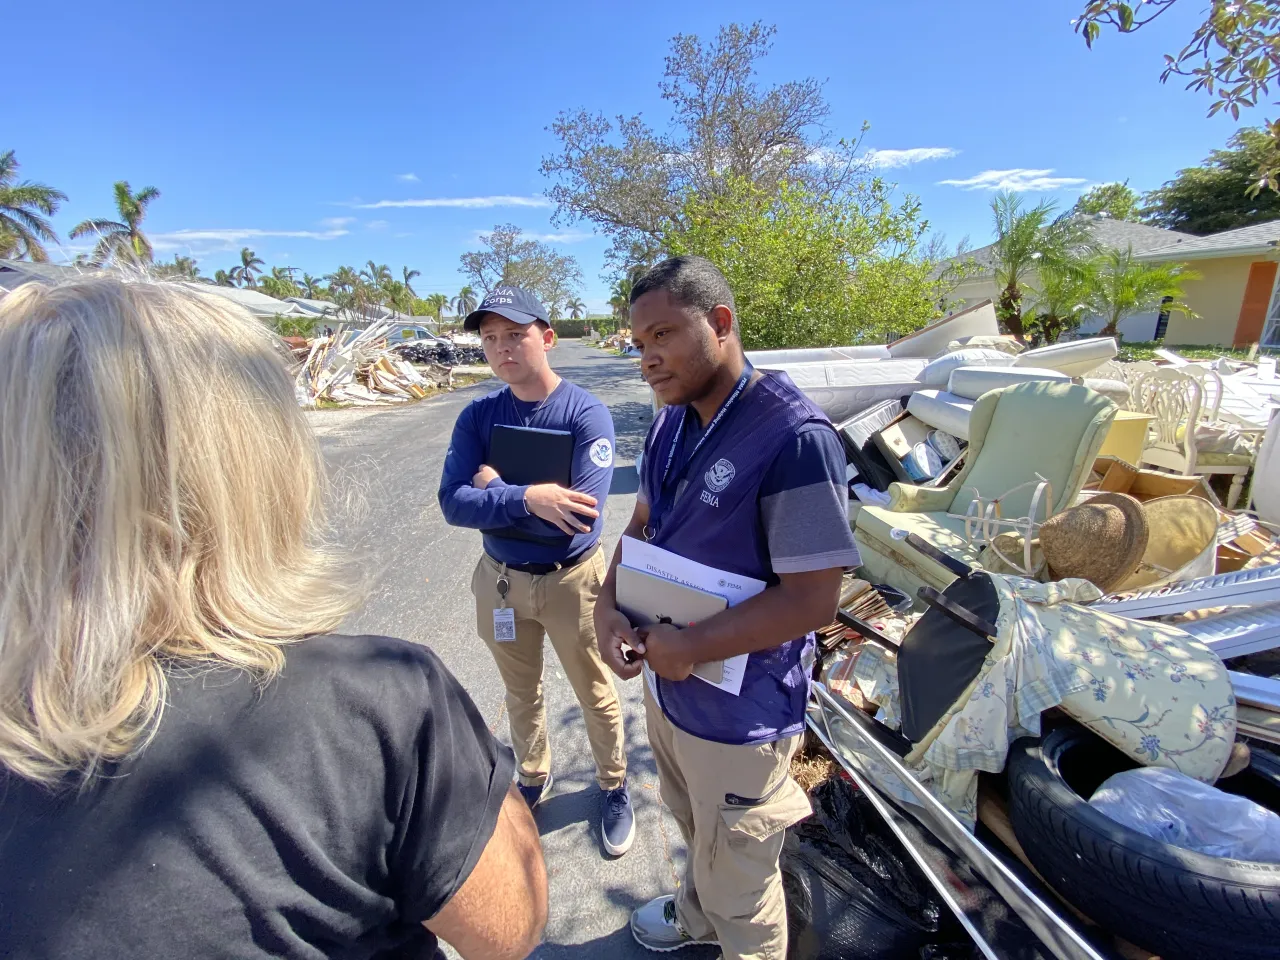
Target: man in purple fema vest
743, 473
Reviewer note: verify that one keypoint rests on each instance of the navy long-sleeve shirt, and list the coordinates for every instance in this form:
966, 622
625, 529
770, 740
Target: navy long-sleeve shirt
501, 505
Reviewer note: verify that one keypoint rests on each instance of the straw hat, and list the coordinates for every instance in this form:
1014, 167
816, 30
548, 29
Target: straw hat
1101, 540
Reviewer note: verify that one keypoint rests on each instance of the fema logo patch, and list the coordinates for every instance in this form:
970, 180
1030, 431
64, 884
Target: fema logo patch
602, 453
720, 475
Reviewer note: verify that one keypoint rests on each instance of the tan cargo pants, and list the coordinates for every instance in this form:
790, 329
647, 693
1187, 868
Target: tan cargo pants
732, 888
562, 605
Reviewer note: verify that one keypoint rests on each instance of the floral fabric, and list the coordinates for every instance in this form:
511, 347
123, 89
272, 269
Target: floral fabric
1150, 689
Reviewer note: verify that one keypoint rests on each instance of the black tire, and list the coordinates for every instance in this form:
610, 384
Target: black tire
1175, 902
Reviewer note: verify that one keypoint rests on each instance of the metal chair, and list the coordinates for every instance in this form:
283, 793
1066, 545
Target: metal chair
1175, 399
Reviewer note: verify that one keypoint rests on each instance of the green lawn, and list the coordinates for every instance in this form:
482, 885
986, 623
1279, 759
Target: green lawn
1146, 350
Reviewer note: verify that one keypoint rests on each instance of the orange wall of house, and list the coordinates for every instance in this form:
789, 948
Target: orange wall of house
1217, 297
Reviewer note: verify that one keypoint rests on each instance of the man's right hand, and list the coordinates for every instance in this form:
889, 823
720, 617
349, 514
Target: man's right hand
556, 504
613, 634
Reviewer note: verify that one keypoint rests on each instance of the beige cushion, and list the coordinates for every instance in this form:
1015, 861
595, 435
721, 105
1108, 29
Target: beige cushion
943, 410
1114, 390
1003, 344
973, 382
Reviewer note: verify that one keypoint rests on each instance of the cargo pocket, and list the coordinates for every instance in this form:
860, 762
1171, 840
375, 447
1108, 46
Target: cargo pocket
747, 844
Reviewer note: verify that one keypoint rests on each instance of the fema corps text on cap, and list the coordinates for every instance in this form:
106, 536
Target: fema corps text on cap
510, 302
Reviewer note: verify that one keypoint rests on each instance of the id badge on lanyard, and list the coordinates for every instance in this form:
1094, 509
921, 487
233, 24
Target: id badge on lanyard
669, 484
504, 617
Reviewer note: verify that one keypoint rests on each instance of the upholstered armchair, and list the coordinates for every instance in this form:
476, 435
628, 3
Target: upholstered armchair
1053, 430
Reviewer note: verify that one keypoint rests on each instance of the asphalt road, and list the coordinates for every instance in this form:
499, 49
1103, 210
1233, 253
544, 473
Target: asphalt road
389, 460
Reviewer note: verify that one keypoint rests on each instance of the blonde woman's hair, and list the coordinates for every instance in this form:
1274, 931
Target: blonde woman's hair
161, 506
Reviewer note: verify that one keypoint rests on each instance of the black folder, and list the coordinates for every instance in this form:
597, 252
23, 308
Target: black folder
525, 455
529, 455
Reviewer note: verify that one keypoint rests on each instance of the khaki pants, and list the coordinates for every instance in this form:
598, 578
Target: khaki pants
732, 887
562, 605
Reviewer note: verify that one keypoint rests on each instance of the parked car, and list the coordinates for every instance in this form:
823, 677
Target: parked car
410, 332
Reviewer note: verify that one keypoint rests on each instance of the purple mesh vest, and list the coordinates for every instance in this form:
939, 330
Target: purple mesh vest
717, 521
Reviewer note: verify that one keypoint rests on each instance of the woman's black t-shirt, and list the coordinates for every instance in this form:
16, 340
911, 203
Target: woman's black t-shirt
323, 816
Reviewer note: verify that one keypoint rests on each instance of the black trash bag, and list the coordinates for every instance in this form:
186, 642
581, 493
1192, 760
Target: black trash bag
852, 891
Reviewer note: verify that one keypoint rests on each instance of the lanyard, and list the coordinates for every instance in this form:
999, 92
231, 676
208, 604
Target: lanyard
666, 494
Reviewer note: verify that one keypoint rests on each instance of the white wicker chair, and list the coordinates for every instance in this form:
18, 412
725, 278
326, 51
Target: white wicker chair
1175, 398
1126, 373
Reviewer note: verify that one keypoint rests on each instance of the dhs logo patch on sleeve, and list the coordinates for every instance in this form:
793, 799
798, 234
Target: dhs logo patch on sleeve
602, 453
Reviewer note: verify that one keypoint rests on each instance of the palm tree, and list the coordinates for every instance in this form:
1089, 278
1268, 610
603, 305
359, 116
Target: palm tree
577, 309
398, 296
376, 274
1060, 298
311, 286
182, 268
1027, 240
1123, 287
438, 303
224, 279
408, 280
121, 240
250, 264
23, 208
343, 279
465, 301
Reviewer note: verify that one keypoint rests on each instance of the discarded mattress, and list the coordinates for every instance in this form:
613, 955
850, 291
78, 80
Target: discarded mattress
1074, 358
845, 388
973, 382
976, 321
767, 358
946, 411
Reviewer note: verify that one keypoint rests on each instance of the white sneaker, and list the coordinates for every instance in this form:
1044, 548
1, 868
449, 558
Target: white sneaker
656, 928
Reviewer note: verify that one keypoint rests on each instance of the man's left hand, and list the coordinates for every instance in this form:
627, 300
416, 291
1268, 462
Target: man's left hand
484, 476
665, 650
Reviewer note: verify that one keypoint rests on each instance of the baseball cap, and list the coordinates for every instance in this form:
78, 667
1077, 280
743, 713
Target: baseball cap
513, 303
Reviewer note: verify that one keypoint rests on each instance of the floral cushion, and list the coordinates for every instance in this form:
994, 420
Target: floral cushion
1152, 690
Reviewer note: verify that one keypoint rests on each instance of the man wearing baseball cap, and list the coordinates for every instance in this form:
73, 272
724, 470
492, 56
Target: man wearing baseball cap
542, 565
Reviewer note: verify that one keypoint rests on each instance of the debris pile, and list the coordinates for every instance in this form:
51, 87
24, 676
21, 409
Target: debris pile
442, 352
357, 367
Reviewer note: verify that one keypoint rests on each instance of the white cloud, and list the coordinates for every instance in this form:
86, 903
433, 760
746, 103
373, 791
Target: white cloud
470, 203
230, 239
570, 236
888, 159
1017, 180
336, 223
377, 224
407, 177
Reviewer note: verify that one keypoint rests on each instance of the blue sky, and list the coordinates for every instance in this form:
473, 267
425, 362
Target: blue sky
303, 129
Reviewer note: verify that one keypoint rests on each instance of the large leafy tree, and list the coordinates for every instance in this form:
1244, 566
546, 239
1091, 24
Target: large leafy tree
809, 270
1118, 201
1123, 286
1215, 196
629, 180
512, 258
1233, 56
24, 207
465, 301
1027, 241
121, 241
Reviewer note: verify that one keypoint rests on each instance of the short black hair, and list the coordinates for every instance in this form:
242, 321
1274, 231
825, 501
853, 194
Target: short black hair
691, 282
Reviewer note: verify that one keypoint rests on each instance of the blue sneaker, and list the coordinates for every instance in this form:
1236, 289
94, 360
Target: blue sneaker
618, 822
535, 795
